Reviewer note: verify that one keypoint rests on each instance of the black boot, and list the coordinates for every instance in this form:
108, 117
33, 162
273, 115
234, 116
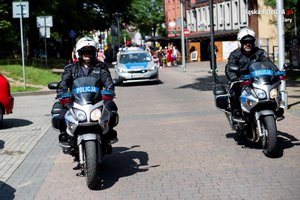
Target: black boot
237, 115
111, 136
63, 137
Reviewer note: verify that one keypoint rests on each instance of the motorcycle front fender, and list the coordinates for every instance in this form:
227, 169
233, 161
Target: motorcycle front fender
87, 137
264, 113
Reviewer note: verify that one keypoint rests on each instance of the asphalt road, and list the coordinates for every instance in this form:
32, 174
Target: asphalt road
173, 144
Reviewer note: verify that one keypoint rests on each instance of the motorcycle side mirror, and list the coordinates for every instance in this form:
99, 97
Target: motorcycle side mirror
287, 66
53, 85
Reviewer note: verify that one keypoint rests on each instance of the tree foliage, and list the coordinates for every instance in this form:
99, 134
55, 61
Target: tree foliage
81, 16
291, 11
148, 16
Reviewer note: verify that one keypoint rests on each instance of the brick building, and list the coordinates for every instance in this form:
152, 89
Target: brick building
229, 17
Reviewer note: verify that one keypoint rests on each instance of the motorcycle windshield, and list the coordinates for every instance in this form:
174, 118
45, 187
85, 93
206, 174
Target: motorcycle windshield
86, 90
262, 73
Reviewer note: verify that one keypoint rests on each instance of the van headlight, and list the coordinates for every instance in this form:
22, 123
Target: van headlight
273, 93
95, 114
80, 115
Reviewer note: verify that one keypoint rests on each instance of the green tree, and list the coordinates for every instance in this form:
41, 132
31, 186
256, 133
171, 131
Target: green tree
147, 16
81, 16
291, 7
8, 34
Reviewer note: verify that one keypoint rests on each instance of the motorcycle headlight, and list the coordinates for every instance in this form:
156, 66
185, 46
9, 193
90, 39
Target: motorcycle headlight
95, 114
273, 93
80, 115
261, 94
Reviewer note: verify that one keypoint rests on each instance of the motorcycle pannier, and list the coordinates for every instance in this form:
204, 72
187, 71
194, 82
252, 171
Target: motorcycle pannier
58, 120
220, 98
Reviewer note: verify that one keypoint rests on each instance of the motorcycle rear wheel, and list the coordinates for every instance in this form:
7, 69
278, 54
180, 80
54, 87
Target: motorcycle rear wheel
90, 167
269, 140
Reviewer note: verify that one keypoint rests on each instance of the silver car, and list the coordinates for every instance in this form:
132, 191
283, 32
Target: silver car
135, 66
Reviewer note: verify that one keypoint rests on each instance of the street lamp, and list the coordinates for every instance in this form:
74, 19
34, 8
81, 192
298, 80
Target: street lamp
117, 17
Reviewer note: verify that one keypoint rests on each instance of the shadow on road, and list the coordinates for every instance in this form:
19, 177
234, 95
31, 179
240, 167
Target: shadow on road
146, 83
6, 191
2, 144
123, 162
13, 123
205, 83
284, 141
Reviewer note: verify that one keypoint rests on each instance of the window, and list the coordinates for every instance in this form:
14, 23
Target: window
243, 13
235, 15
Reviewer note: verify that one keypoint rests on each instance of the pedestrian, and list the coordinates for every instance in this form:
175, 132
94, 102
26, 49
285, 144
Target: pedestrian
160, 54
169, 55
100, 55
209, 56
73, 55
174, 56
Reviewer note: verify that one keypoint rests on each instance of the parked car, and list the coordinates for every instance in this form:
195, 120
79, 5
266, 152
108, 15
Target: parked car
6, 99
135, 65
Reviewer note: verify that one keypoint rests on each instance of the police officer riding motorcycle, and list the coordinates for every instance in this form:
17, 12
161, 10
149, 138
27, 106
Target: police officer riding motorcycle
86, 66
238, 64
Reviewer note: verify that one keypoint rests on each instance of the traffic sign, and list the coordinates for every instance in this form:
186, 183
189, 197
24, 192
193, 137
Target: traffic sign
186, 32
20, 8
42, 21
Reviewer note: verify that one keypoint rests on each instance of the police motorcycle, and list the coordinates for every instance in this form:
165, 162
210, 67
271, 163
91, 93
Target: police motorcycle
261, 106
87, 122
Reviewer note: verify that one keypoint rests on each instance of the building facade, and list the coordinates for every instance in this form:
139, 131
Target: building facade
229, 17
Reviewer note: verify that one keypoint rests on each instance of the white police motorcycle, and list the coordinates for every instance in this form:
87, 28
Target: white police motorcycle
260, 103
87, 122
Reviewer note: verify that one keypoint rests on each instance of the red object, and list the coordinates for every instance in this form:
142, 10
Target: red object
247, 82
66, 100
6, 99
169, 55
289, 12
186, 32
107, 97
283, 77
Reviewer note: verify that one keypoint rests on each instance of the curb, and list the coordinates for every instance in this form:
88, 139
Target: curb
44, 92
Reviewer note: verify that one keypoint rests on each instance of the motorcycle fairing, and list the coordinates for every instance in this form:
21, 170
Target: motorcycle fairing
264, 80
248, 100
72, 122
86, 90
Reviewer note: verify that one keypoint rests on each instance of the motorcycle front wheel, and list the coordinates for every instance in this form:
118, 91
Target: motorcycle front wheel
90, 167
269, 140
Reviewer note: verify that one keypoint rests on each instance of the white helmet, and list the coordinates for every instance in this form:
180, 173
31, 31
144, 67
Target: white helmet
86, 44
246, 34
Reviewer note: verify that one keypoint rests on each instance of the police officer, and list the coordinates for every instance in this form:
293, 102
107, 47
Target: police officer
86, 66
238, 64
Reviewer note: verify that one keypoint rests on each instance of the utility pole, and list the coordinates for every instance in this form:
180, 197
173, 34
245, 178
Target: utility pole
182, 36
212, 42
21, 10
117, 16
281, 43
